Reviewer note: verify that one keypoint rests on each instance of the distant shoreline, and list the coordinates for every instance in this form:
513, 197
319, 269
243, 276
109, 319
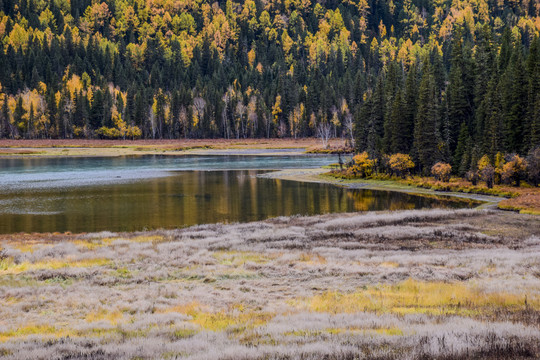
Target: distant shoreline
54, 148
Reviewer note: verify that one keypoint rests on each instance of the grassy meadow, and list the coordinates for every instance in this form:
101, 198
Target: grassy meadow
392, 285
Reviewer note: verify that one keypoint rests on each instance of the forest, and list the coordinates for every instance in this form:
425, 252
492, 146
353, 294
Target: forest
441, 80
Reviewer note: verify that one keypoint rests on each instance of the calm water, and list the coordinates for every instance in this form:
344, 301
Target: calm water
135, 193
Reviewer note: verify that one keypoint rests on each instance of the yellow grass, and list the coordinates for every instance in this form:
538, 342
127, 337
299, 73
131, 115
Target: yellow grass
410, 296
25, 246
43, 330
94, 244
113, 317
237, 317
8, 267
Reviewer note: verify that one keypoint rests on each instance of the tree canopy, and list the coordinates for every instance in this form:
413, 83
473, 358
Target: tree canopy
442, 80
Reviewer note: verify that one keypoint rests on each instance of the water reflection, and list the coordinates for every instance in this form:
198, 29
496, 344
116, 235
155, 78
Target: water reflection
188, 198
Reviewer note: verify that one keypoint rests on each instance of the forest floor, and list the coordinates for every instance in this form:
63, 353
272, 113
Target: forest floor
161, 147
438, 284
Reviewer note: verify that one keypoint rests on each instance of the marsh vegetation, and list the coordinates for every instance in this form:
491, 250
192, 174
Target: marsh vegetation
392, 285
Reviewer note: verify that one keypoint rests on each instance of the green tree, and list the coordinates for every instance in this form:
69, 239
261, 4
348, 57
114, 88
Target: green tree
426, 136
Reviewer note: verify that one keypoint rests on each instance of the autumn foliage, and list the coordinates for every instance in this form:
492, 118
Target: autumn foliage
441, 171
514, 171
401, 164
362, 165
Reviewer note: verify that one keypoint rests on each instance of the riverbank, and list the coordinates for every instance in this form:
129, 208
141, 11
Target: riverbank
319, 176
433, 284
18, 148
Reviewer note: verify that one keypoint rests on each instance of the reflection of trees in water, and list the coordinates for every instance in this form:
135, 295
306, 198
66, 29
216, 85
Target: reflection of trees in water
362, 200
369, 200
195, 197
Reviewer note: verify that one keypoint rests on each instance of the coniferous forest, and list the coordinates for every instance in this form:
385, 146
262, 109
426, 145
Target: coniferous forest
442, 80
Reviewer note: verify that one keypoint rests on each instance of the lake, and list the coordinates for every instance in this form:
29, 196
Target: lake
149, 192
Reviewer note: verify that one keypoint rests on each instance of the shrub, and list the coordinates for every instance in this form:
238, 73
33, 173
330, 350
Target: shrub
488, 175
441, 171
472, 176
363, 165
486, 171
514, 170
401, 164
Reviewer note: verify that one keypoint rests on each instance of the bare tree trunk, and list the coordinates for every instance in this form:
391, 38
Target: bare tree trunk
324, 132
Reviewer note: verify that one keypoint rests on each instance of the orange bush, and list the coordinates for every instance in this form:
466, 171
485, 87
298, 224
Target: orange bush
441, 171
514, 170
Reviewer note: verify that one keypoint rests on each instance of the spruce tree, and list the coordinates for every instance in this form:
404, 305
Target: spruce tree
516, 102
532, 69
535, 124
458, 106
426, 137
6, 130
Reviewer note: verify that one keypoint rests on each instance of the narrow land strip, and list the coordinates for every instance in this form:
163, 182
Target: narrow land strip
18, 148
318, 176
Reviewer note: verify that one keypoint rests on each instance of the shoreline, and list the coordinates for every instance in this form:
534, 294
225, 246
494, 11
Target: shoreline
16, 149
111, 148
317, 176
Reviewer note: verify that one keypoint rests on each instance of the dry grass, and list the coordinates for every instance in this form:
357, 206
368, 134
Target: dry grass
419, 297
122, 147
524, 199
9, 267
391, 285
528, 202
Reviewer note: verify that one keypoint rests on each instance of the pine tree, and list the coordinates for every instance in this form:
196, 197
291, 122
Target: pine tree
392, 86
461, 155
533, 89
375, 124
458, 106
409, 103
535, 124
398, 138
483, 69
4, 114
516, 106
425, 131
494, 126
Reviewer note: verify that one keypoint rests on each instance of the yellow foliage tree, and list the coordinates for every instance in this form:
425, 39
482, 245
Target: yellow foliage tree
251, 57
363, 166
401, 164
276, 110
